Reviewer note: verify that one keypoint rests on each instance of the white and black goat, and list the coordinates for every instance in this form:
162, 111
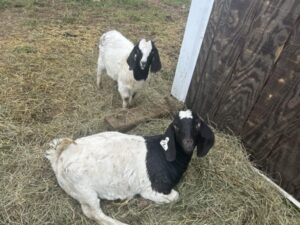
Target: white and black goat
127, 64
113, 165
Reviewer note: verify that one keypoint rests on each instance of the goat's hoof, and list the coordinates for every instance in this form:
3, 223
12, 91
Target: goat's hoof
143, 203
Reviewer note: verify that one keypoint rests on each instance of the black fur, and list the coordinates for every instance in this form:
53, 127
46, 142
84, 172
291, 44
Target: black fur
206, 140
155, 61
166, 167
164, 175
134, 59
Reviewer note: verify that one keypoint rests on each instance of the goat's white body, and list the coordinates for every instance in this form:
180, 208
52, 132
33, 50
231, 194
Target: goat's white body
108, 165
111, 163
114, 50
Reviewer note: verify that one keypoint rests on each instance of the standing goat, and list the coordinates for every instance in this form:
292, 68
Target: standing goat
112, 165
127, 64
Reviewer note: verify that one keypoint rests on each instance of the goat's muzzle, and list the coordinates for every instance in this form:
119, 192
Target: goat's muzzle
143, 65
188, 145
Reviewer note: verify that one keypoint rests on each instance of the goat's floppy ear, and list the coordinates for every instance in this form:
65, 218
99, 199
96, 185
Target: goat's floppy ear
168, 143
206, 139
131, 60
155, 62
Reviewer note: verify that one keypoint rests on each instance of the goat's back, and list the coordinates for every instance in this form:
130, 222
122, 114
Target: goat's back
114, 50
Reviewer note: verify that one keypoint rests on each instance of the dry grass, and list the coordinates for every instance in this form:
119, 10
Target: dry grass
47, 89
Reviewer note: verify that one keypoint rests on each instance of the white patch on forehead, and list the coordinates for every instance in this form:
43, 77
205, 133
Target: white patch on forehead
186, 114
164, 143
146, 48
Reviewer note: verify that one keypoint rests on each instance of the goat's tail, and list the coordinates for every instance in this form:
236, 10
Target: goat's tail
57, 146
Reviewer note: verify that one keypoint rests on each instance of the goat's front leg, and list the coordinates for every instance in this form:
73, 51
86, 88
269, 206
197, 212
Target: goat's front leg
159, 197
125, 102
125, 94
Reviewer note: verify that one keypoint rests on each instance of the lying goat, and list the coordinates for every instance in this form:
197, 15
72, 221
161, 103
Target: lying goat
112, 165
127, 64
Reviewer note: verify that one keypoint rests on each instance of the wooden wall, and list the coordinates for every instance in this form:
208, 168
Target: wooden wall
247, 80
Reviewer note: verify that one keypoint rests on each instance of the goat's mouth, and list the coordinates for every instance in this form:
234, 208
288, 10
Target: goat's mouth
189, 150
143, 65
188, 147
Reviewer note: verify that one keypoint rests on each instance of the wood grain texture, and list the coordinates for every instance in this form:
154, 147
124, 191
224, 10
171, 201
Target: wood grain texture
247, 80
225, 49
278, 106
272, 131
206, 55
240, 59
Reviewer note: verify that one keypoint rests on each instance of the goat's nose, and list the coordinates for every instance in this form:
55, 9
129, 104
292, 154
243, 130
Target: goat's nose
143, 64
188, 142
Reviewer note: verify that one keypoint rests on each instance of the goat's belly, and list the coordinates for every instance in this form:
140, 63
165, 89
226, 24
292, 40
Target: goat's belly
118, 191
124, 188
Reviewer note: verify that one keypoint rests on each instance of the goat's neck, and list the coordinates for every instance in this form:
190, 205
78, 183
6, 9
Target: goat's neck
182, 159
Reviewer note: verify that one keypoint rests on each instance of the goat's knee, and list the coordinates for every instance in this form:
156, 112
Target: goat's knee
161, 198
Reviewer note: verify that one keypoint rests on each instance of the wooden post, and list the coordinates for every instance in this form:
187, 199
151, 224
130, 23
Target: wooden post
192, 40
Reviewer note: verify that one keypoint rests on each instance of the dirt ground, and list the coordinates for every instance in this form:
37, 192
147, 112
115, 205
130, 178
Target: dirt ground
47, 71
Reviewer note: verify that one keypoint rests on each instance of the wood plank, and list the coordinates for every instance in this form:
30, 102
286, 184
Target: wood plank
276, 109
125, 120
272, 131
240, 91
219, 8
248, 80
283, 163
219, 53
251, 58
223, 53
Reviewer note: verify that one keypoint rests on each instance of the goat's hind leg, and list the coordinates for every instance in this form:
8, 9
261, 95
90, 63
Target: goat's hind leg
93, 211
100, 69
90, 205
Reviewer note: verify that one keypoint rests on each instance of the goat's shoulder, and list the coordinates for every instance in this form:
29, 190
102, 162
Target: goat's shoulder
164, 175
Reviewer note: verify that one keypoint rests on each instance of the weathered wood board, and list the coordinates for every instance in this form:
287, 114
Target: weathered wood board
127, 119
247, 80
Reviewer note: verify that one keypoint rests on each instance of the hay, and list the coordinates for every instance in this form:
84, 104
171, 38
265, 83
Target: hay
47, 90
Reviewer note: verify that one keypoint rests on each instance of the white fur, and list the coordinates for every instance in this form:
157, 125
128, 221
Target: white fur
108, 165
186, 114
146, 48
114, 50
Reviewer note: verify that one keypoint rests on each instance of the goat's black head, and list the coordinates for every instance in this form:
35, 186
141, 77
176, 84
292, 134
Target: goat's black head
188, 131
144, 56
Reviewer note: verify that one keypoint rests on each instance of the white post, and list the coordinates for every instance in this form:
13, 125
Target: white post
194, 33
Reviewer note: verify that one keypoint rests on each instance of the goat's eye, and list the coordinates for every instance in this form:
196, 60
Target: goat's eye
198, 125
